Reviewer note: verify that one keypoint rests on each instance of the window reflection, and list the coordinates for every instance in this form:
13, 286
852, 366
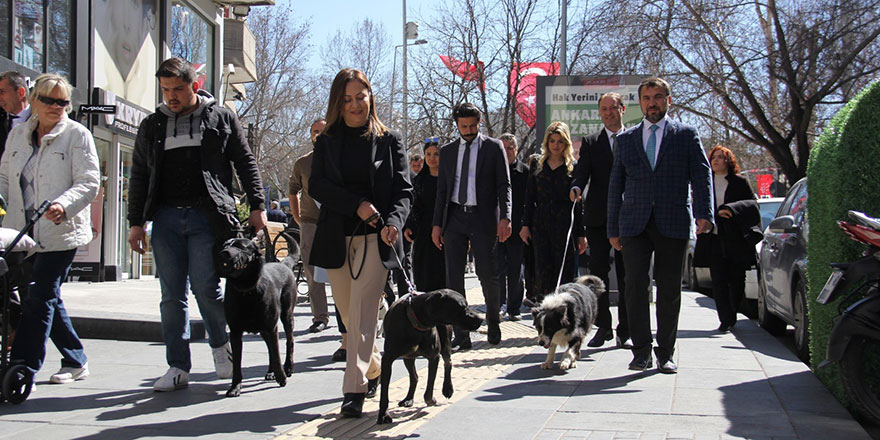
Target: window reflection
192, 38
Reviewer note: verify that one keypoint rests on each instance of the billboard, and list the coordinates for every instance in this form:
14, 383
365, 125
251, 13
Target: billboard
575, 101
126, 39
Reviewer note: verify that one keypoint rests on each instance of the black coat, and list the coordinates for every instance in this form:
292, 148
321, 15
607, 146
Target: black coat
740, 233
519, 176
492, 183
391, 189
594, 168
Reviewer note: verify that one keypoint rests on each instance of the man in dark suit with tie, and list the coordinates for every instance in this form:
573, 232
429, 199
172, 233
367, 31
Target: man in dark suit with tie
594, 168
510, 252
13, 100
655, 163
473, 207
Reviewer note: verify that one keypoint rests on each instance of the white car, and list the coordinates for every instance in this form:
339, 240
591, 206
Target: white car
699, 279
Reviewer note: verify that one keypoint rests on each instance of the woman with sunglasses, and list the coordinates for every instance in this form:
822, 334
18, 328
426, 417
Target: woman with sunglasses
360, 177
52, 158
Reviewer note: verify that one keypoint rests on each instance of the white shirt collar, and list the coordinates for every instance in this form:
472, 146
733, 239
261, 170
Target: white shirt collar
661, 124
609, 132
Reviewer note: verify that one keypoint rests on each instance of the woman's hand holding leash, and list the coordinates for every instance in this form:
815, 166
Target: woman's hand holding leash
389, 234
366, 211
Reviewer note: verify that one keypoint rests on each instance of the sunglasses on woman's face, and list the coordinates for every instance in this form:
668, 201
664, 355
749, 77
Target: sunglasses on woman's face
49, 101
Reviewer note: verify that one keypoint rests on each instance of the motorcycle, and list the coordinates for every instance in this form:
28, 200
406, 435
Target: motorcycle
855, 338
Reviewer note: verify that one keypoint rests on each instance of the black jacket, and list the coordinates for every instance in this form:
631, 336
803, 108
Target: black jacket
594, 168
519, 176
740, 233
391, 189
223, 146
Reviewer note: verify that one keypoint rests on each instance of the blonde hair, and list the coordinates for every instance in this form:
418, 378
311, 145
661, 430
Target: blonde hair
560, 128
46, 83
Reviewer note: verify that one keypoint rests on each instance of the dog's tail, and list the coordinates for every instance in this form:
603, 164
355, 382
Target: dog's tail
593, 282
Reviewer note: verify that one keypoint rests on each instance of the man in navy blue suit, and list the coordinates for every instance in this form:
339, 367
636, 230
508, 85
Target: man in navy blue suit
655, 163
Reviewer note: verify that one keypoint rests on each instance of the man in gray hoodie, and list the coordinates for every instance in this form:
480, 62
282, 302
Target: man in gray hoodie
181, 180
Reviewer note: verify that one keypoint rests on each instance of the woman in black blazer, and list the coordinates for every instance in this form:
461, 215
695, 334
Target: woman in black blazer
360, 179
730, 248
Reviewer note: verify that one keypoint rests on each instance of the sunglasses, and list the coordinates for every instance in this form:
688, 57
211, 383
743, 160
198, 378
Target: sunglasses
432, 140
49, 101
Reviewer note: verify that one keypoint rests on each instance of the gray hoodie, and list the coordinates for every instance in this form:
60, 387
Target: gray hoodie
185, 131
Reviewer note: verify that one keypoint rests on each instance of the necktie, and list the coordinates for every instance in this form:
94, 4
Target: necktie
613, 141
9, 122
651, 148
463, 179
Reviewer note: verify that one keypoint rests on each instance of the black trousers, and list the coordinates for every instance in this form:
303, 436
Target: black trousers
668, 260
463, 229
600, 265
510, 273
728, 283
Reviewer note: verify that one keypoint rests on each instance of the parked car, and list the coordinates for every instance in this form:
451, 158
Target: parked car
782, 262
699, 279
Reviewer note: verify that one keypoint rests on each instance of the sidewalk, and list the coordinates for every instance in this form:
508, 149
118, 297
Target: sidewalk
740, 385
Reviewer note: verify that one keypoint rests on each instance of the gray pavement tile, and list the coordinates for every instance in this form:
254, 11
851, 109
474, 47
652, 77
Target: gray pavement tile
550, 434
715, 378
746, 399
631, 399
499, 422
819, 426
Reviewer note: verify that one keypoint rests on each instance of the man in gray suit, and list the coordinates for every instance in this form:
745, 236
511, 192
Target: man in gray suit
655, 163
473, 207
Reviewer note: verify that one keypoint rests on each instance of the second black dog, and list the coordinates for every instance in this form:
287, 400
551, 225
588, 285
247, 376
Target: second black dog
257, 295
421, 325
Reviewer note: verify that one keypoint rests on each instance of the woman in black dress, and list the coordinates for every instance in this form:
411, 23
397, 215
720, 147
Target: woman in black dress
429, 266
547, 213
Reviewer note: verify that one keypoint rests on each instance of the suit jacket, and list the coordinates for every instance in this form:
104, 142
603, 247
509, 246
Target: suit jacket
519, 176
4, 133
594, 168
635, 191
391, 189
492, 184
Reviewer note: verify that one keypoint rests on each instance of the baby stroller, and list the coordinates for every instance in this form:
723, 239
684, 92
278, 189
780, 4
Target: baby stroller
16, 379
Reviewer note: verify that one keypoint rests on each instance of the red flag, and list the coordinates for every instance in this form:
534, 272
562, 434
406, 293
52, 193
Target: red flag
465, 70
527, 91
764, 181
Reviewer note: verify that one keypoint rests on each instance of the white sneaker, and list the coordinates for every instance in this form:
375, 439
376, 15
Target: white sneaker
223, 361
70, 374
174, 379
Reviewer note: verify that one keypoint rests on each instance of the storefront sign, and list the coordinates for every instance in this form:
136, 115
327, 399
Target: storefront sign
108, 109
127, 117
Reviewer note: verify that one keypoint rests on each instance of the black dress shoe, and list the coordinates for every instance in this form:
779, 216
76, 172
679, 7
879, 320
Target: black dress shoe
372, 387
641, 363
602, 335
339, 355
623, 342
352, 405
494, 333
514, 318
461, 343
724, 328
317, 327
667, 366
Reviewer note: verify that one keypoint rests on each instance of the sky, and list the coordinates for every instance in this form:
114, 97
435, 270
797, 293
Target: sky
328, 16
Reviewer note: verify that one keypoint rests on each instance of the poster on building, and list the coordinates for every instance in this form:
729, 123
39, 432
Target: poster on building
575, 101
126, 39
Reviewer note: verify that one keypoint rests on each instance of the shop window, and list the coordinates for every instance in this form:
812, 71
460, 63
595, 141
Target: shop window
192, 38
34, 29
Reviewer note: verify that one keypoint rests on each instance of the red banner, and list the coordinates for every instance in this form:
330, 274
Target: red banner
764, 181
464, 70
526, 91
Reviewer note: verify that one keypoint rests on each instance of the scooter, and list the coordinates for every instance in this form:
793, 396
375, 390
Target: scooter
855, 338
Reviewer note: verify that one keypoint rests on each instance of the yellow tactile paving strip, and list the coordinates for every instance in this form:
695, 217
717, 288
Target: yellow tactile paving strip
471, 369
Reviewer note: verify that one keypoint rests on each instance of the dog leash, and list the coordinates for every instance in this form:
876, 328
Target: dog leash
567, 240
411, 288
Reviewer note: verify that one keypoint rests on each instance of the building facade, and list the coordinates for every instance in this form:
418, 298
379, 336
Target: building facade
109, 50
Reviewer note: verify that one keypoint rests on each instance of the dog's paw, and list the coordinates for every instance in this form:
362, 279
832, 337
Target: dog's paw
288, 370
384, 419
447, 391
547, 365
281, 379
406, 403
235, 391
270, 376
430, 401
566, 363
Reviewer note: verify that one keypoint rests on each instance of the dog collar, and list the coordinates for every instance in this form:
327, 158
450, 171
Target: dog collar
413, 319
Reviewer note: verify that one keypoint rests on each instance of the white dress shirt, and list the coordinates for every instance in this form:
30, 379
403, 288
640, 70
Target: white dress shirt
646, 133
472, 172
22, 116
610, 133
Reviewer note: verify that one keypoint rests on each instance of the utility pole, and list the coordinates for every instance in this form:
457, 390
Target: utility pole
563, 61
405, 89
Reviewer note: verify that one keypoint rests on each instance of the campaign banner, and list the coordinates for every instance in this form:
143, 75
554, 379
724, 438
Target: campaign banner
575, 101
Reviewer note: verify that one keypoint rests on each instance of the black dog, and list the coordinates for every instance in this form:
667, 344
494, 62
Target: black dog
421, 325
257, 294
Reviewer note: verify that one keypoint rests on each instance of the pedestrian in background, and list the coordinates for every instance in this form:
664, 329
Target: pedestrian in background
181, 180
593, 170
305, 213
510, 251
429, 266
50, 157
547, 216
729, 250
360, 177
275, 214
13, 102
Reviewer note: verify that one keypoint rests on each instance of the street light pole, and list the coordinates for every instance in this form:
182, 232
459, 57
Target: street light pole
394, 74
405, 90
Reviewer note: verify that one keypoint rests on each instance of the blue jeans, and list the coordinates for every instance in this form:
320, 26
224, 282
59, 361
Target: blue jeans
183, 247
44, 316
